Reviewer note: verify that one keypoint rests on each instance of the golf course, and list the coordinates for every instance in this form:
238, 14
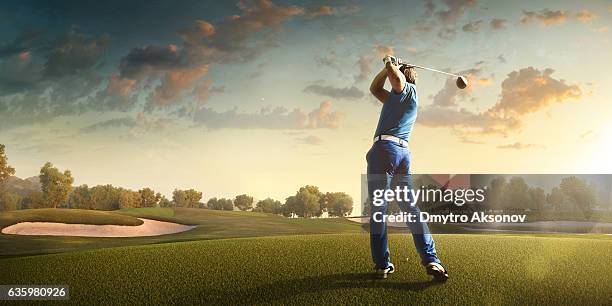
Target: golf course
238, 257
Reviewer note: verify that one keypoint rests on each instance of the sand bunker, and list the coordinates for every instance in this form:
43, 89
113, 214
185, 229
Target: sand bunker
148, 228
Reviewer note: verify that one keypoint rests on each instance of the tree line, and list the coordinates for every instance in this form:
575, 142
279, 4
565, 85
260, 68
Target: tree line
57, 192
573, 194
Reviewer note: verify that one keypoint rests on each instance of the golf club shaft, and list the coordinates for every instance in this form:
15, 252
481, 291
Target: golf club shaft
434, 70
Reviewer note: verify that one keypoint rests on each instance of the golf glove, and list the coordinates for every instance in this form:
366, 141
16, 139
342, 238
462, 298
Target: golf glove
390, 58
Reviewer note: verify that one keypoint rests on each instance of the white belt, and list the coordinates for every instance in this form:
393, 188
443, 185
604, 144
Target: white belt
397, 140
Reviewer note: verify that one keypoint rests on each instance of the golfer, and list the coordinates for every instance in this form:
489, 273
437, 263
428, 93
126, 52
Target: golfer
389, 166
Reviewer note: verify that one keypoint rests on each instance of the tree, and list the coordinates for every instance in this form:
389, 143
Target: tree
5, 169
269, 205
243, 202
213, 203
515, 195
80, 197
226, 204
193, 197
33, 200
220, 204
339, 204
55, 185
290, 206
127, 198
148, 197
495, 192
580, 193
538, 198
179, 198
556, 198
164, 202
186, 198
105, 197
307, 202
9, 201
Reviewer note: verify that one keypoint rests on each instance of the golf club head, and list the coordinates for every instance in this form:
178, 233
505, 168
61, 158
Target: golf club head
462, 82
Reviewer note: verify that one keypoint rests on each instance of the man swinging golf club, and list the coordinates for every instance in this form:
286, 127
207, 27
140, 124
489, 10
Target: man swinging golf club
389, 166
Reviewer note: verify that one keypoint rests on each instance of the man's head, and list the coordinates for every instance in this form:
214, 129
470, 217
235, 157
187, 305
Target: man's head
410, 73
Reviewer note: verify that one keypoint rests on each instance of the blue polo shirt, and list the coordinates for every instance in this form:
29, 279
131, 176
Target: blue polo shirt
398, 113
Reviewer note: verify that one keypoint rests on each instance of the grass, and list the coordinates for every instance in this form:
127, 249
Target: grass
61, 215
149, 211
328, 269
211, 224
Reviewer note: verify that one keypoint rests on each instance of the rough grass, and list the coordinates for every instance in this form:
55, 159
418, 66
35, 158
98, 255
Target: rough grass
62, 215
328, 269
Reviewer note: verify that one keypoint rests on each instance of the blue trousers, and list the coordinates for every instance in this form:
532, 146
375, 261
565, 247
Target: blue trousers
389, 167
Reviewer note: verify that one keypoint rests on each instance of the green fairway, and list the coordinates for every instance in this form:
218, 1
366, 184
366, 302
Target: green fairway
211, 224
328, 269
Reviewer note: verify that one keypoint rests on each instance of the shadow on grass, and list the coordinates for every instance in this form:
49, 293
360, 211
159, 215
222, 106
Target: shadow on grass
279, 290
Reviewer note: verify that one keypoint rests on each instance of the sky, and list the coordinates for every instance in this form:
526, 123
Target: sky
263, 97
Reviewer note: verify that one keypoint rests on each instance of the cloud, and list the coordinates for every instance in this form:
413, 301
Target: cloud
473, 26
196, 33
601, 30
444, 21
119, 86
467, 122
235, 38
524, 91
455, 9
467, 140
73, 53
26, 40
546, 17
365, 68
323, 10
381, 51
52, 77
43, 77
111, 123
497, 23
173, 83
311, 140
136, 126
326, 10
586, 16
234, 32
141, 61
588, 134
335, 92
204, 90
517, 146
529, 90
278, 118
450, 93
330, 60
18, 74
118, 95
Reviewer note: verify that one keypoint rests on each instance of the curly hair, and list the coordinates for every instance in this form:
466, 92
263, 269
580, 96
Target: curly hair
410, 73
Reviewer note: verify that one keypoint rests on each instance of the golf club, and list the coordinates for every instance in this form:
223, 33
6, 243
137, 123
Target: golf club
461, 82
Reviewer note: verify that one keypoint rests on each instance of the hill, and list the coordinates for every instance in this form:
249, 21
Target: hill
22, 187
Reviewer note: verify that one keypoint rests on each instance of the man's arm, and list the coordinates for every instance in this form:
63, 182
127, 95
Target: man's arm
377, 86
396, 77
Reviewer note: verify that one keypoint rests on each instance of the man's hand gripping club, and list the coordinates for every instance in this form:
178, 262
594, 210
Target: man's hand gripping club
391, 71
